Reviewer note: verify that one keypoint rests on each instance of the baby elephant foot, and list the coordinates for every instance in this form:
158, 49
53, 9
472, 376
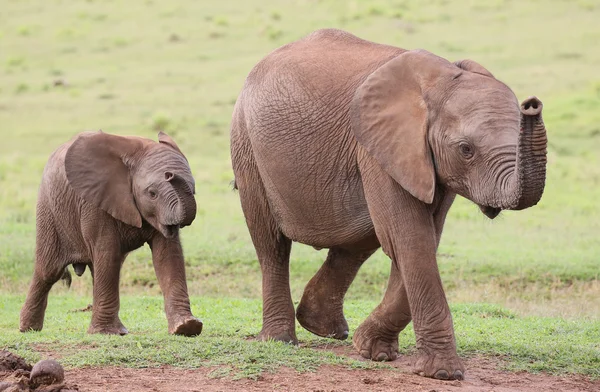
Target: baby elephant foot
116, 328
322, 319
440, 365
374, 341
186, 326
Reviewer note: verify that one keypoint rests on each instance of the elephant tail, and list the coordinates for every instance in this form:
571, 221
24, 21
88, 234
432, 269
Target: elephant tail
66, 277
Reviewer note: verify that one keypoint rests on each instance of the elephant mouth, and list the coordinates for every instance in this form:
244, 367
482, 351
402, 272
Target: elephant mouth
169, 231
490, 212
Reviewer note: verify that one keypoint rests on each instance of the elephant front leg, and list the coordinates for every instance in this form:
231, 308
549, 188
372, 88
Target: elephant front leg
167, 257
406, 230
105, 308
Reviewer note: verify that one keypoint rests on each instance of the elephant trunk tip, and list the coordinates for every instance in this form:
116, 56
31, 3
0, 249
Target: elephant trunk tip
532, 106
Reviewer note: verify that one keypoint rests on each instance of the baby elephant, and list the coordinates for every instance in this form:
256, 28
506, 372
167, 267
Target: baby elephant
101, 197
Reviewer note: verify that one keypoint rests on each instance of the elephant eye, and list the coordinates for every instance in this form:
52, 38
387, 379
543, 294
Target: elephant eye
152, 193
466, 150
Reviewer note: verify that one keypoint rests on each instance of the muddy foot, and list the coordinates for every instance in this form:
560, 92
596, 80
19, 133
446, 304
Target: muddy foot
373, 341
440, 365
190, 326
322, 318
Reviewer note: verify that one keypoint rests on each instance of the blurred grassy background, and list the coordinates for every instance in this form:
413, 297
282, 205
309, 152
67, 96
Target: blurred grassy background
137, 67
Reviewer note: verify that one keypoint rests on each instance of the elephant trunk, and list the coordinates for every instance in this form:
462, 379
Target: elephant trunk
526, 186
181, 204
186, 204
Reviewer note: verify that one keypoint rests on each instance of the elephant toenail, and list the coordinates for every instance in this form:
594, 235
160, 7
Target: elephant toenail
442, 375
382, 357
365, 354
458, 375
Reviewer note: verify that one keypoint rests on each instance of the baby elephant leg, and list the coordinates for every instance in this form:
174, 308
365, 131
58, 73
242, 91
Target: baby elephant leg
321, 310
48, 269
105, 308
32, 313
169, 266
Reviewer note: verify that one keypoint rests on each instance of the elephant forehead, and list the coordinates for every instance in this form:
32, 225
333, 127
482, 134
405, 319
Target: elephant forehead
161, 160
488, 110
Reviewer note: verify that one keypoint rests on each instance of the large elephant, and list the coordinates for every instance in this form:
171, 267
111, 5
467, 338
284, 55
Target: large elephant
101, 197
345, 144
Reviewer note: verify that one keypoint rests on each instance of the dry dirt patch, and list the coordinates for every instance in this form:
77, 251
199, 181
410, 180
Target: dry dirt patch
482, 375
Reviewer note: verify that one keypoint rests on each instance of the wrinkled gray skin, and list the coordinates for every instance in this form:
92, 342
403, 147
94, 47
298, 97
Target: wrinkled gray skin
345, 144
101, 197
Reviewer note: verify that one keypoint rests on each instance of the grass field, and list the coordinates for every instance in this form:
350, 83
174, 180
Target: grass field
524, 287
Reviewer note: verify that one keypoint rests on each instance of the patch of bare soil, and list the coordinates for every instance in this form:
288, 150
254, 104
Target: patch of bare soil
482, 376
16, 375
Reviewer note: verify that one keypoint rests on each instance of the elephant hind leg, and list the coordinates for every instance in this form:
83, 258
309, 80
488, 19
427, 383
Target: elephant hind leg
272, 246
49, 268
321, 310
377, 337
273, 251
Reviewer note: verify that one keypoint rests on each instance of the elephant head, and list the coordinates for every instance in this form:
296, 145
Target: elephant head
428, 121
133, 179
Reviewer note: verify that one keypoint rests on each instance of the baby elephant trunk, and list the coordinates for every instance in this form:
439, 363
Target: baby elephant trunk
182, 204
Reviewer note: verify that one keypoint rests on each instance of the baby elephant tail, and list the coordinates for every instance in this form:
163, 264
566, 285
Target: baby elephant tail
66, 277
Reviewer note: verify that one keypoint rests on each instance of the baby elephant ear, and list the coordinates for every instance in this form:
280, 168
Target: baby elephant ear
166, 139
472, 66
98, 168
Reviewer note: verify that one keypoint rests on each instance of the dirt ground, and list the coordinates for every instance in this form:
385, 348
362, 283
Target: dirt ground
482, 376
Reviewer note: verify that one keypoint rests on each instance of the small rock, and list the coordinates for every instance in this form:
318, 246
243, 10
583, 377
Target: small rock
47, 372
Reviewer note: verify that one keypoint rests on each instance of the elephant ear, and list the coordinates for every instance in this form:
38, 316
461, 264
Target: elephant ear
472, 66
97, 167
167, 140
390, 116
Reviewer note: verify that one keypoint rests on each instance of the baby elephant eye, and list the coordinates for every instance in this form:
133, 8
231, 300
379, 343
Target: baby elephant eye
152, 193
466, 150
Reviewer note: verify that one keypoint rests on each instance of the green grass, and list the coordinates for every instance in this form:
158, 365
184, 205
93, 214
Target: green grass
560, 345
140, 66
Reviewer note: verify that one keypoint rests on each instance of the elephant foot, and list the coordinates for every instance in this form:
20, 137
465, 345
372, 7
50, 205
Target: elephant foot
280, 335
322, 320
116, 328
376, 342
439, 365
27, 327
188, 326
27, 324
31, 320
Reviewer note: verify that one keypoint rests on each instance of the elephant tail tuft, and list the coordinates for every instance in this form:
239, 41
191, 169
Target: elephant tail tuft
66, 277
234, 185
